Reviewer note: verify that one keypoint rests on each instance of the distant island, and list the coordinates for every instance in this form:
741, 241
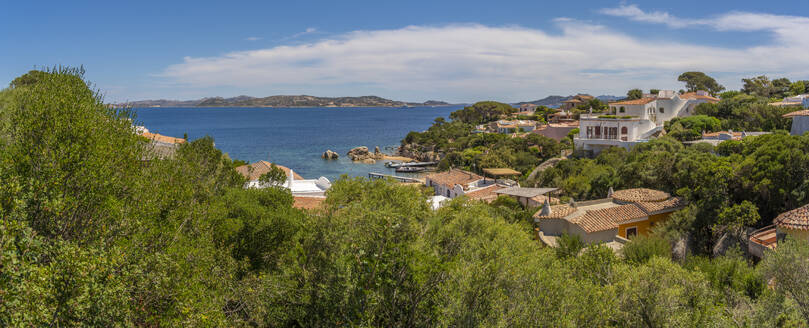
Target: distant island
283, 101
556, 101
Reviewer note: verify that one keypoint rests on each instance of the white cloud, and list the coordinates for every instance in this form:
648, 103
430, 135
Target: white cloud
474, 62
785, 28
636, 14
308, 30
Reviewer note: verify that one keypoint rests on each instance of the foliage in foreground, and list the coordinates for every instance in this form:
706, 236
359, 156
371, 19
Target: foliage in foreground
178, 242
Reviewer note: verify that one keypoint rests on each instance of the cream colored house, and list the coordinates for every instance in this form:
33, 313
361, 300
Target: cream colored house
630, 122
455, 182
622, 215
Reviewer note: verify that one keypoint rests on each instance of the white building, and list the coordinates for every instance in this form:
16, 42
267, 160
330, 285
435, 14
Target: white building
800, 122
294, 182
799, 100
514, 126
633, 121
454, 183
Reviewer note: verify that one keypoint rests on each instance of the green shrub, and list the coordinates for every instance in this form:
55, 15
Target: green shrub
569, 245
641, 249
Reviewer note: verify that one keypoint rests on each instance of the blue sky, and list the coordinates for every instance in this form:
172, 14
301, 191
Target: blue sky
409, 50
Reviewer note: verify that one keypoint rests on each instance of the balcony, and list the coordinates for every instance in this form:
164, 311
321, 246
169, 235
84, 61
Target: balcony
762, 240
610, 117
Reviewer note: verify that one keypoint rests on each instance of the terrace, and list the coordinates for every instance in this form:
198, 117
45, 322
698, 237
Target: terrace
762, 240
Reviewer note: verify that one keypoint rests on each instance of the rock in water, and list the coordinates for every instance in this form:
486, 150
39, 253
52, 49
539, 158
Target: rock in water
329, 154
369, 161
359, 154
378, 154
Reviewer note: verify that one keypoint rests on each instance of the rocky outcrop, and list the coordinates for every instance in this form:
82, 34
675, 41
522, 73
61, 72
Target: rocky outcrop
362, 153
421, 155
545, 165
368, 161
329, 154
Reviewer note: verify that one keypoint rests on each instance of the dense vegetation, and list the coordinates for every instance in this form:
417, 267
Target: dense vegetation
463, 149
691, 127
94, 235
771, 172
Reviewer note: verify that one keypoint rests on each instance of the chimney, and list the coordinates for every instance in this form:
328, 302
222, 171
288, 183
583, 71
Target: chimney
546, 208
610, 192
572, 203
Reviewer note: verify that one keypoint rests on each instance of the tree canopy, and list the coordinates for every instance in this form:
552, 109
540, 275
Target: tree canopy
94, 232
696, 81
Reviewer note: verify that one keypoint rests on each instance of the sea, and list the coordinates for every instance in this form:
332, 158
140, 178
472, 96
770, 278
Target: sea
297, 137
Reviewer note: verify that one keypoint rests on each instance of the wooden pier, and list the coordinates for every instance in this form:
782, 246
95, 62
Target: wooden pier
374, 175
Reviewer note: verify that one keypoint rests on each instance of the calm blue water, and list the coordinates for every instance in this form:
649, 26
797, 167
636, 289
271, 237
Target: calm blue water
296, 137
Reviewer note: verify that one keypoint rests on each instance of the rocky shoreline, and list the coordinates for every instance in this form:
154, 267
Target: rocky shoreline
363, 155
419, 154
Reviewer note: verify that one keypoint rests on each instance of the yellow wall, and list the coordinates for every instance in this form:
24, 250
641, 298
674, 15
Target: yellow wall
797, 234
644, 226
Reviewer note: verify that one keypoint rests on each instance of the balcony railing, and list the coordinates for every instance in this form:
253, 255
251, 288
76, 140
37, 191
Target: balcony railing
603, 116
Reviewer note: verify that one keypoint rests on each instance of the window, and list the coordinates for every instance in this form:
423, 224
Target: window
622, 109
661, 110
598, 132
623, 133
611, 133
631, 232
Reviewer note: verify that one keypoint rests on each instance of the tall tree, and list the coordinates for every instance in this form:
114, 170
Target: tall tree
695, 81
634, 94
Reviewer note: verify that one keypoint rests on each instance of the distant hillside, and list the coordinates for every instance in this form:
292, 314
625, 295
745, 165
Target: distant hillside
549, 101
284, 101
556, 101
607, 99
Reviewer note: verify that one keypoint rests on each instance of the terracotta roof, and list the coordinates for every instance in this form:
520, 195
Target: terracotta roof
607, 218
557, 212
694, 95
640, 195
486, 194
261, 167
308, 203
804, 112
797, 219
641, 101
716, 134
501, 172
666, 205
556, 131
454, 176
162, 138
526, 192
786, 103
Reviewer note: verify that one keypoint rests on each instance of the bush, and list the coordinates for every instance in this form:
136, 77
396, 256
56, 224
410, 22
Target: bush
569, 245
641, 249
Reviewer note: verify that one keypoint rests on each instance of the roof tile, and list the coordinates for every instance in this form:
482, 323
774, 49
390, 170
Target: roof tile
797, 219
454, 176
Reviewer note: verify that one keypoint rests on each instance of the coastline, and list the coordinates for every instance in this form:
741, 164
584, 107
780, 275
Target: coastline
381, 106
